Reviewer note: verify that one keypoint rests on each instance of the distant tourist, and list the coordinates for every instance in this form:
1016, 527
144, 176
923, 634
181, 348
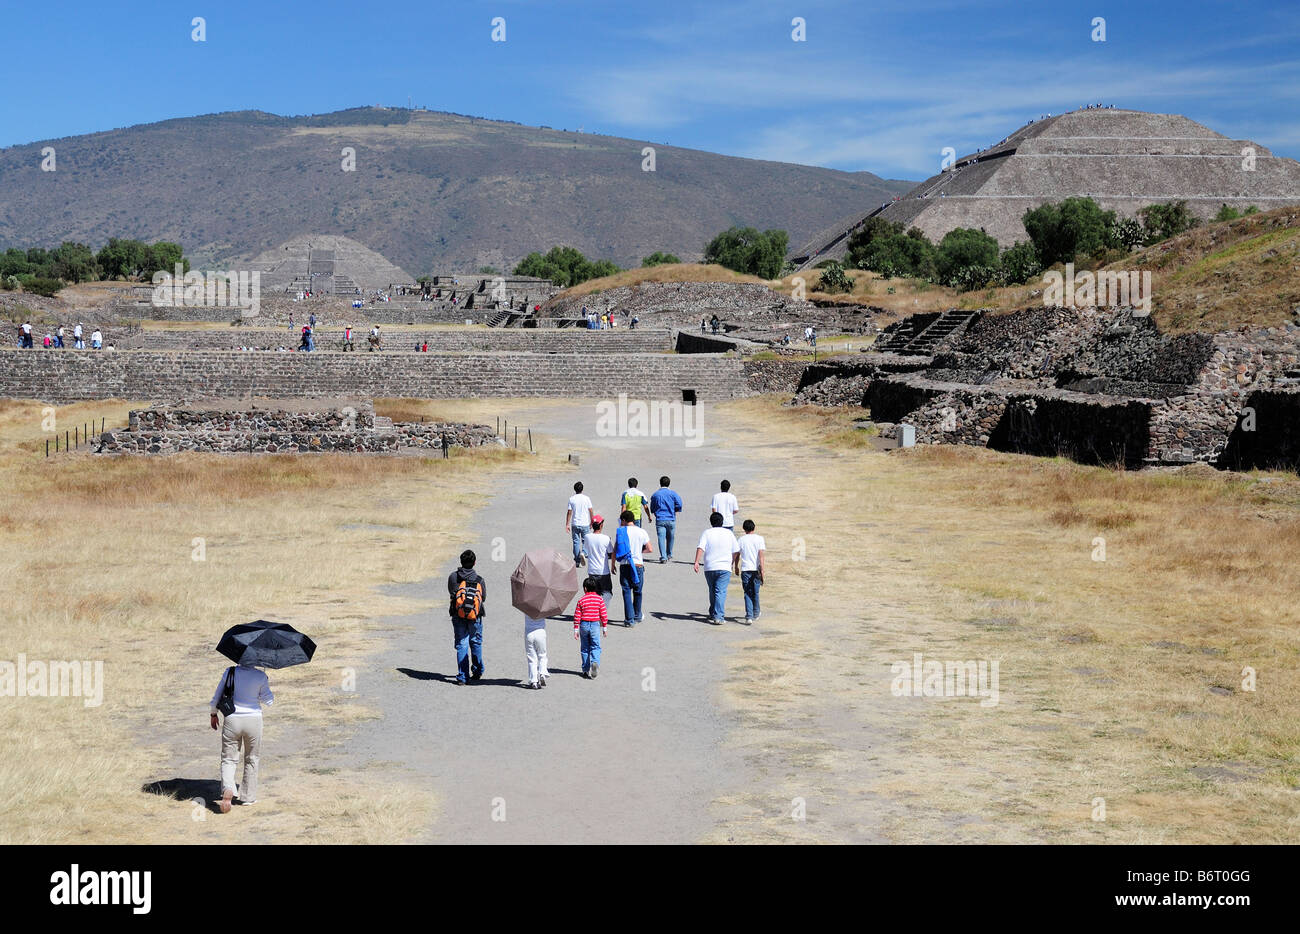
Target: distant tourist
291, 321
59, 335
703, 322
96, 340
374, 338
241, 730
589, 612
599, 549
715, 323
634, 501
347, 338
752, 550
25, 334
424, 347
665, 504
724, 503
468, 594
630, 545
720, 552
535, 651
48, 342
311, 320
577, 521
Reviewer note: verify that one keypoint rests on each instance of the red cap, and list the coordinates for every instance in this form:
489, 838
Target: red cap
596, 517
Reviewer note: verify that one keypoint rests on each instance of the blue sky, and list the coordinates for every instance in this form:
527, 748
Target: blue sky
880, 86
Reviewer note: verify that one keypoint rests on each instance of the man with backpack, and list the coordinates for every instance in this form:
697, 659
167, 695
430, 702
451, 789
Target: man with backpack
631, 544
468, 592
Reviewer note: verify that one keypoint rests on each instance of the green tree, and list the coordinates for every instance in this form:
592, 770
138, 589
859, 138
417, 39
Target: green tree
745, 250
73, 262
835, 279
40, 285
899, 254
1227, 214
872, 229
127, 258
1162, 221
163, 257
658, 258
965, 248
565, 266
1060, 232
1019, 263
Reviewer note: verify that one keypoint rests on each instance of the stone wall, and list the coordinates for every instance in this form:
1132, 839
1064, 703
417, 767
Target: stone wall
769, 376
147, 374
443, 340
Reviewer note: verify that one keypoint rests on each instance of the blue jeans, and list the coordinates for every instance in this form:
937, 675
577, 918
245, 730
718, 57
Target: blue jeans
469, 643
718, 581
631, 592
667, 532
749, 580
589, 643
579, 533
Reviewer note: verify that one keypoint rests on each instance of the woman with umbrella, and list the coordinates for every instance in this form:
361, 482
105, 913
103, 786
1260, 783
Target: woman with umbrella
243, 690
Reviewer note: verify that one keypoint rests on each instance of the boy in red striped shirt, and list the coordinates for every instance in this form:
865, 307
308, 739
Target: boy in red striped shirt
590, 611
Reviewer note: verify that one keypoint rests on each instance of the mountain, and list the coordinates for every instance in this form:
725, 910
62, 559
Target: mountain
430, 191
1124, 159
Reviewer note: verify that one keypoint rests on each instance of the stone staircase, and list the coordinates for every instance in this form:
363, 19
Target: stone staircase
921, 335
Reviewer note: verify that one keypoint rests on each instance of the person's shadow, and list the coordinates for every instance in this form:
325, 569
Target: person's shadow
692, 617
208, 790
451, 679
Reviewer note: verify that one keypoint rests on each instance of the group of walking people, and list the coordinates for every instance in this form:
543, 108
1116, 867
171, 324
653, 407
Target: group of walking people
58, 337
719, 554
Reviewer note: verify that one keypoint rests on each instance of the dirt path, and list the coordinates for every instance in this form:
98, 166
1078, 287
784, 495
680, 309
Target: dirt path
581, 761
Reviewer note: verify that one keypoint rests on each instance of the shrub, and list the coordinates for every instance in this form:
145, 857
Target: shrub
658, 258
835, 279
1019, 264
40, 285
745, 250
962, 249
1060, 232
1162, 221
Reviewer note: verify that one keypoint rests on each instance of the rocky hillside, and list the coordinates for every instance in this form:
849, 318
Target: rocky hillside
430, 190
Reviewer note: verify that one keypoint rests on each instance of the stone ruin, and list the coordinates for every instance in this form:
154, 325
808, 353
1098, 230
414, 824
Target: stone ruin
283, 427
1098, 385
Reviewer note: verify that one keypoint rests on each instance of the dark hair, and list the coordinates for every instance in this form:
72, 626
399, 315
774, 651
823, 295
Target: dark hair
664, 481
715, 520
627, 516
748, 525
726, 485
631, 481
589, 584
577, 487
597, 526
467, 558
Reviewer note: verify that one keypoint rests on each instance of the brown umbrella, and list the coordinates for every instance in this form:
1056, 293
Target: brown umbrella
544, 583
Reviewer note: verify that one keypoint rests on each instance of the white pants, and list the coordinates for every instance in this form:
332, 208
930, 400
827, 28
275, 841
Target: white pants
535, 651
241, 729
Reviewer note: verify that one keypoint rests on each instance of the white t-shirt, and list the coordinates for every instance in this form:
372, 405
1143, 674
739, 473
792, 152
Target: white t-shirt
580, 505
719, 545
599, 548
637, 539
726, 504
750, 546
76, 332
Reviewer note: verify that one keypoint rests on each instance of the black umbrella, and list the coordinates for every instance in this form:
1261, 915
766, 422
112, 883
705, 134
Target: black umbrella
266, 645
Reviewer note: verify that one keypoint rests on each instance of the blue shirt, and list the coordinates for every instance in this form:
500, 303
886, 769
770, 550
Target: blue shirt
665, 504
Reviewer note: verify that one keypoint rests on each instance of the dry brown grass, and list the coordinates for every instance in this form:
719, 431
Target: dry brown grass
99, 555
669, 272
1120, 679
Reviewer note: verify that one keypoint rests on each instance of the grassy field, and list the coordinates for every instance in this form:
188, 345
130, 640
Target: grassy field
141, 563
1126, 688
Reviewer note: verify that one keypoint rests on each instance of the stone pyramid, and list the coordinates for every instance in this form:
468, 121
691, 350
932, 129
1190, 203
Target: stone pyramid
1123, 159
326, 264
